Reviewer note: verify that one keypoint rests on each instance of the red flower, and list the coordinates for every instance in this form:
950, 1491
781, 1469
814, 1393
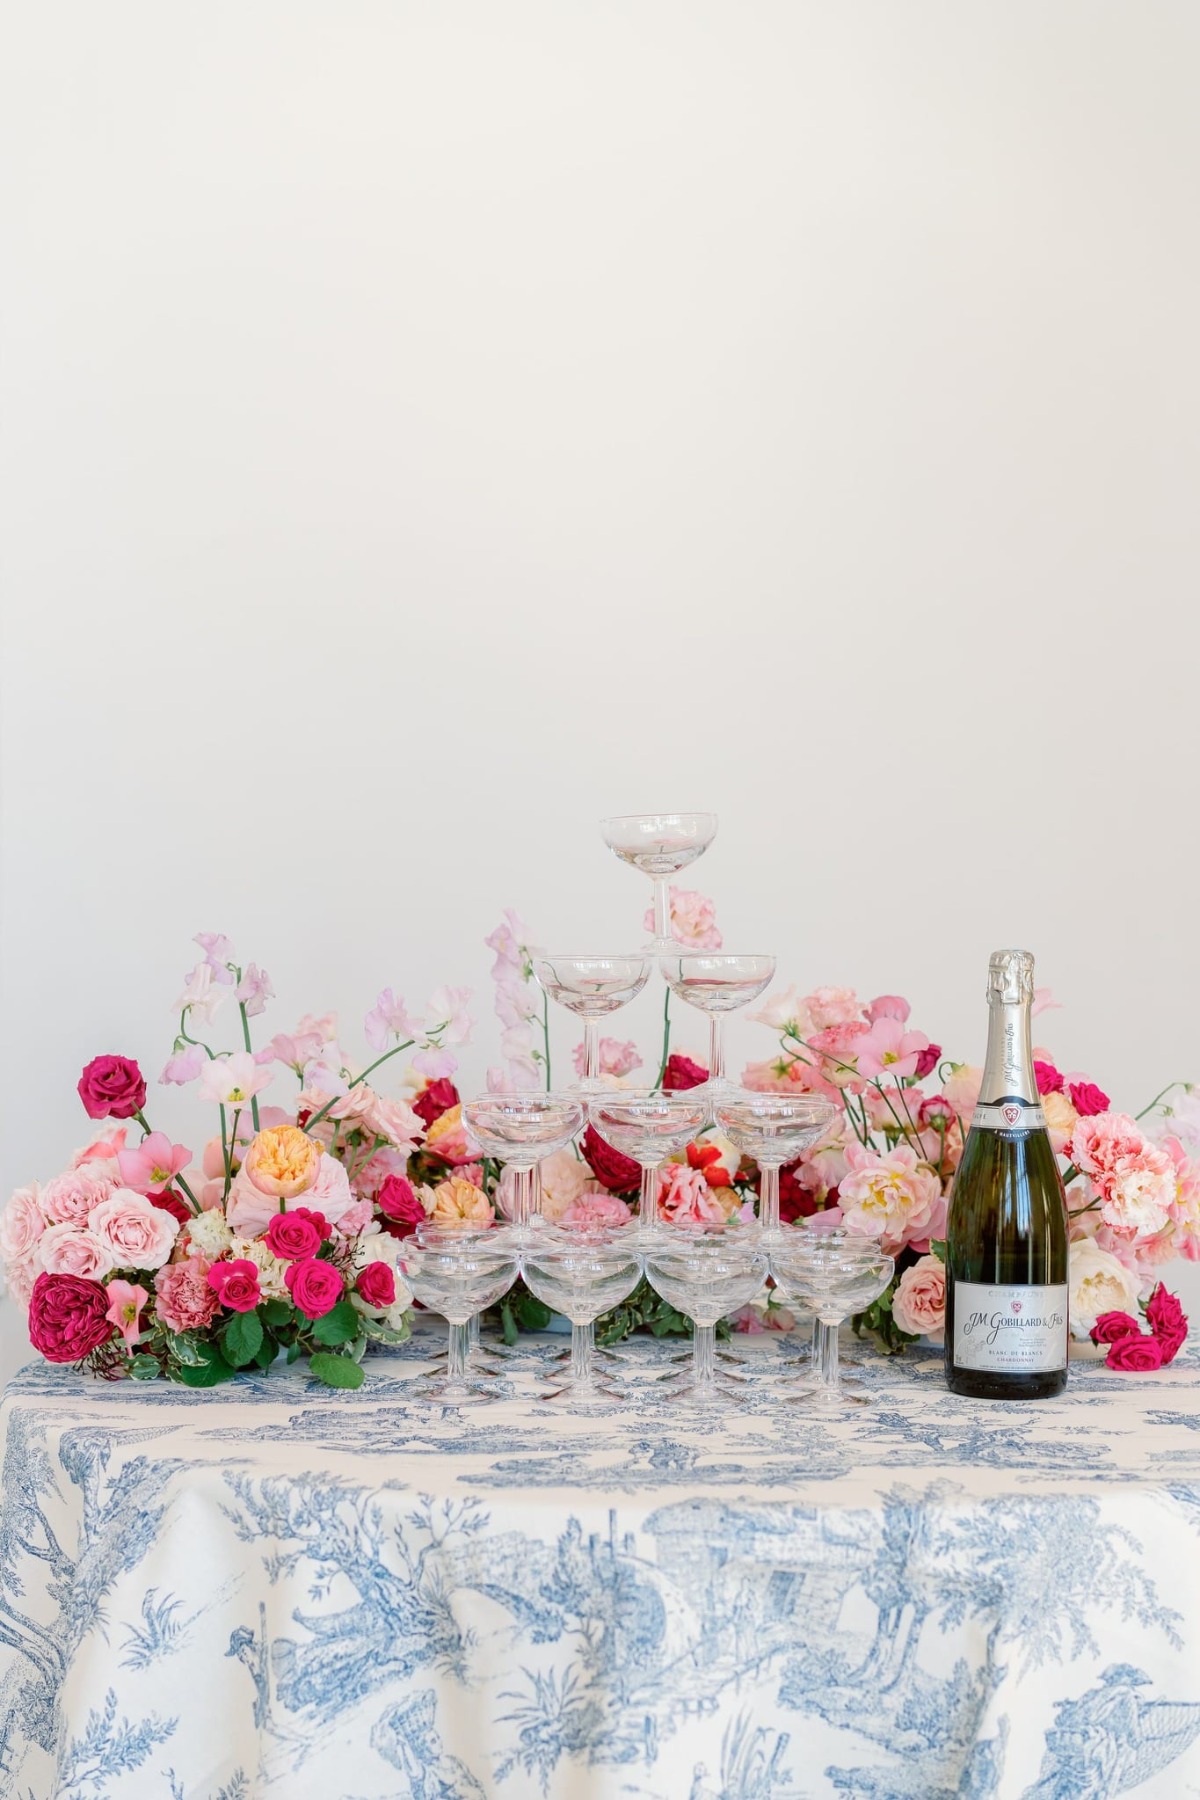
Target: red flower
619, 1174
434, 1100
377, 1284
173, 1203
680, 1074
1087, 1099
927, 1060
795, 1202
1136, 1354
398, 1203
1167, 1321
235, 1283
1111, 1327
1049, 1081
292, 1236
67, 1317
315, 1287
112, 1087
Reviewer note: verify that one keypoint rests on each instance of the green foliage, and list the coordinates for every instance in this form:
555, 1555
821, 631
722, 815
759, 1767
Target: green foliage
379, 1333
210, 1371
879, 1321
338, 1326
522, 1311
644, 1310
144, 1368
335, 1371
242, 1339
276, 1313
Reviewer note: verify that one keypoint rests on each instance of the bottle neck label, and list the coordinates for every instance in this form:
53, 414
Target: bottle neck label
1010, 1114
1008, 1076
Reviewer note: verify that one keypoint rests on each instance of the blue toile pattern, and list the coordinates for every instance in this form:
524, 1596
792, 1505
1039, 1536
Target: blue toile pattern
268, 1589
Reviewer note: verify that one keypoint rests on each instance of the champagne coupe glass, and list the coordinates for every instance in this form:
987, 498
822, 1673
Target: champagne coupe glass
592, 987
660, 845
648, 1125
836, 1273
582, 1272
519, 1130
774, 1129
705, 1274
717, 984
459, 1274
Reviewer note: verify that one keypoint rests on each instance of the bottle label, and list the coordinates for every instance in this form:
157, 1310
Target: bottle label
1010, 1330
1009, 1115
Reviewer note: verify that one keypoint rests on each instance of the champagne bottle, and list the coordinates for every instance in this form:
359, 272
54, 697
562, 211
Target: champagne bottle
1006, 1234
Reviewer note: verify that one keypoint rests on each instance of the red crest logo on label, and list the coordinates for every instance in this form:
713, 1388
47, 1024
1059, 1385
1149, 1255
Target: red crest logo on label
1016, 1305
1010, 1114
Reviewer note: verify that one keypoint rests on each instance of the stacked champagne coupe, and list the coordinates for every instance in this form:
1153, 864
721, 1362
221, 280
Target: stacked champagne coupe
705, 1271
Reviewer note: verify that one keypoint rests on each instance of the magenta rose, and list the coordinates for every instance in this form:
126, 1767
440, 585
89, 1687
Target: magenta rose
927, 1060
315, 1287
682, 1073
620, 1174
434, 1100
1111, 1327
1087, 1099
1168, 1322
235, 1284
68, 1317
377, 1285
112, 1087
1136, 1354
399, 1205
1048, 1079
292, 1236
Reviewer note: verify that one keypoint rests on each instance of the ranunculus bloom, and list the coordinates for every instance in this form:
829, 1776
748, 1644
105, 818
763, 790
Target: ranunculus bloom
400, 1206
294, 1235
236, 1284
1137, 1355
681, 1073
125, 1302
620, 1174
21, 1223
140, 1236
112, 1087
919, 1302
185, 1300
282, 1161
69, 1198
434, 1100
376, 1284
595, 1210
1048, 1079
68, 1317
315, 1287
458, 1202
1088, 1099
1167, 1321
74, 1250
153, 1165
1111, 1327
1098, 1286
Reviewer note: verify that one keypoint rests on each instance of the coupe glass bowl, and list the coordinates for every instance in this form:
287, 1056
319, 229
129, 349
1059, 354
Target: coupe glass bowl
458, 1273
581, 1273
519, 1130
660, 845
705, 1275
592, 987
835, 1273
717, 983
774, 1129
648, 1125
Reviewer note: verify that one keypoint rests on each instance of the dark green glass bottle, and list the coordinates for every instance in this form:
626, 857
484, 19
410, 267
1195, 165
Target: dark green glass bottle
1006, 1234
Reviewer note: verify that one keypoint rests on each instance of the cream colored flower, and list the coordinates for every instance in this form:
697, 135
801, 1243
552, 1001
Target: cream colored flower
1098, 1283
208, 1235
271, 1270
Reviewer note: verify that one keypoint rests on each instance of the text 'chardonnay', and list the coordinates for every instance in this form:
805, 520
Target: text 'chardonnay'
1006, 1234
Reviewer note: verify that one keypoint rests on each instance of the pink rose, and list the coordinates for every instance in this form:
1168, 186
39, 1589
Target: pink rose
434, 1099
1087, 1098
919, 1302
355, 1219
186, 1300
315, 1287
928, 1060
1111, 1327
295, 1235
74, 1250
1048, 1079
376, 1285
1136, 1354
936, 1111
21, 1224
20, 1275
681, 1074
68, 1317
595, 1210
69, 1198
235, 1283
888, 1006
171, 1202
399, 1207
1168, 1322
616, 1058
138, 1235
112, 1087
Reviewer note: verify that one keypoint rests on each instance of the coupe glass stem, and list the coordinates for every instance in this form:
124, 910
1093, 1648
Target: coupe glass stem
456, 1358
716, 1047
582, 1337
648, 1199
522, 1195
768, 1200
831, 1379
591, 1053
473, 1334
704, 1356
662, 910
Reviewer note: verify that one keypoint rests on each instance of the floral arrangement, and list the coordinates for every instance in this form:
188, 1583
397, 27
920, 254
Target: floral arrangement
284, 1235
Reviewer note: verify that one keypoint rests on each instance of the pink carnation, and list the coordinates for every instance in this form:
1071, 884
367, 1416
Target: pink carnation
1135, 1180
685, 1198
591, 1210
185, 1300
832, 1006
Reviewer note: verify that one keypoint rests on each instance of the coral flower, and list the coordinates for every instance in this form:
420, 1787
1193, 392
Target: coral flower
283, 1160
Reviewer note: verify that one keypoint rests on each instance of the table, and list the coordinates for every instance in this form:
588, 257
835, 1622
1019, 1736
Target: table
274, 1589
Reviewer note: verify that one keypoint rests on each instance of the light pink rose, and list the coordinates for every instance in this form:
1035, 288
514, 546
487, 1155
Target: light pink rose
591, 1210
394, 1120
21, 1224
71, 1249
919, 1302
616, 1059
69, 1198
136, 1234
893, 1198
20, 1275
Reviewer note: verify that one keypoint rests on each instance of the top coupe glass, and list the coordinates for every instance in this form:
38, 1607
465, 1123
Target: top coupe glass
660, 845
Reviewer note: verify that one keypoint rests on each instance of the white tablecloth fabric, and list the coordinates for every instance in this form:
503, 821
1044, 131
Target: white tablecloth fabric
273, 1589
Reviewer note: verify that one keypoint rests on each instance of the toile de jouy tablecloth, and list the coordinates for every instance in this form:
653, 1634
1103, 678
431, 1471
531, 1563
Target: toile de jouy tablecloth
275, 1589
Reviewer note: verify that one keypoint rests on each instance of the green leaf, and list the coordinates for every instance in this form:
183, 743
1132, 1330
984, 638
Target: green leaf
187, 1350
144, 1368
294, 1354
276, 1312
338, 1325
531, 1314
242, 1338
206, 1375
265, 1354
508, 1324
335, 1371
379, 1333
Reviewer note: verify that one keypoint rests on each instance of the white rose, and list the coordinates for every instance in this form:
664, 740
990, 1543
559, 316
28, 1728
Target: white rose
1098, 1284
208, 1235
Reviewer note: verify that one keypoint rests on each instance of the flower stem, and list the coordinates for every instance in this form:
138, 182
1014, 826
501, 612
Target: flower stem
1158, 1097
369, 1070
249, 1048
662, 1067
546, 1035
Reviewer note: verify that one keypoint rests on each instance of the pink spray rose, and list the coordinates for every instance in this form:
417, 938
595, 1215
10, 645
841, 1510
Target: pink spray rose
186, 1301
1135, 1354
315, 1287
68, 1317
292, 1236
112, 1087
1110, 1327
138, 1235
919, 1302
894, 1198
69, 1198
399, 1206
1088, 1099
888, 1006
928, 1060
376, 1285
681, 1074
1167, 1321
235, 1284
436, 1098
125, 1302
1048, 1079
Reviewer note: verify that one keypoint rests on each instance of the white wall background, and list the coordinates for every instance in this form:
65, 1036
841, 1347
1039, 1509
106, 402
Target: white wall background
426, 427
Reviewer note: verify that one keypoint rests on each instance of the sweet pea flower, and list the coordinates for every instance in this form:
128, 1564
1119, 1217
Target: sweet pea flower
510, 941
218, 954
446, 1016
434, 1063
154, 1165
389, 1017
888, 1049
202, 994
233, 1080
183, 1065
126, 1300
254, 990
